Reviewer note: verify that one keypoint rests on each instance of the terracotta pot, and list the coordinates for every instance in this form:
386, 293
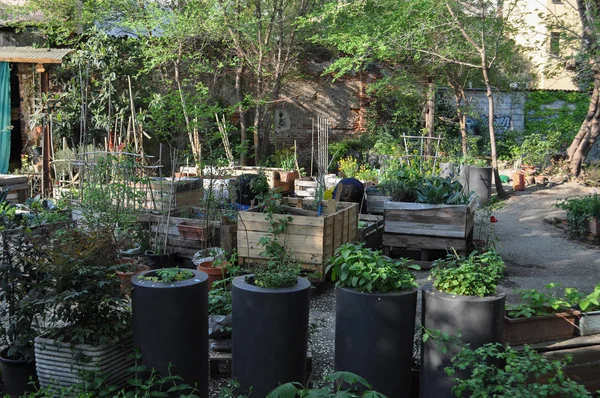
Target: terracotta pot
215, 273
593, 227
519, 180
190, 230
288, 176
530, 180
540, 180
126, 276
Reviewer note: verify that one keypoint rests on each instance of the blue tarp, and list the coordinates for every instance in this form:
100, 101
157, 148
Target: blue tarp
5, 127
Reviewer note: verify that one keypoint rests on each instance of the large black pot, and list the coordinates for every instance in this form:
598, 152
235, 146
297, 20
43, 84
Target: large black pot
170, 325
158, 261
17, 375
374, 334
478, 320
269, 335
479, 180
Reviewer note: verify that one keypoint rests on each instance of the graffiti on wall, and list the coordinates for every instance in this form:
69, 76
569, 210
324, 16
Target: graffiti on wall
501, 124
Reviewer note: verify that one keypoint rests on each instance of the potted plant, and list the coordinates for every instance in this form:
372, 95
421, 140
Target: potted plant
90, 319
182, 333
583, 215
541, 316
212, 262
126, 268
462, 301
270, 314
375, 317
20, 305
286, 160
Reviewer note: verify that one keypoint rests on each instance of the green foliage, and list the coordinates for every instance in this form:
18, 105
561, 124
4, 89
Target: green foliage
167, 275
84, 298
367, 270
579, 212
440, 190
477, 274
284, 158
21, 285
535, 303
591, 302
401, 183
282, 269
496, 370
345, 385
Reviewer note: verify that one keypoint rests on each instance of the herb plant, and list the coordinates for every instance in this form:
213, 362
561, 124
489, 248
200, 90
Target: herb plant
591, 302
475, 275
523, 373
167, 275
579, 212
536, 303
439, 190
345, 384
369, 271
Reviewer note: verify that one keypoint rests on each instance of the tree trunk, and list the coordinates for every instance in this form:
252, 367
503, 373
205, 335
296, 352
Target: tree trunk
430, 116
588, 133
239, 72
488, 92
462, 123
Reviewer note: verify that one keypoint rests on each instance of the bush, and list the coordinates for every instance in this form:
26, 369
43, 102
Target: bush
579, 212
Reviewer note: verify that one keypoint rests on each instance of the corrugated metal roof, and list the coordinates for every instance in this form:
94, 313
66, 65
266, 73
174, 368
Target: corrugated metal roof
33, 55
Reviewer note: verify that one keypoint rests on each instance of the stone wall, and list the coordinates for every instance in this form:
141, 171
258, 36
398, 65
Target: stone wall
509, 113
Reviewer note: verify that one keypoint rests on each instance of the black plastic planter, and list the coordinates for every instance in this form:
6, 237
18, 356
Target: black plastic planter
170, 325
158, 261
16, 375
374, 334
480, 181
478, 320
269, 335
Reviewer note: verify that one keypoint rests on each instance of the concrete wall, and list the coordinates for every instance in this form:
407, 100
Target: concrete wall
509, 113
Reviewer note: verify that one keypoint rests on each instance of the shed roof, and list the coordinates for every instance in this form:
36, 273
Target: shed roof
33, 55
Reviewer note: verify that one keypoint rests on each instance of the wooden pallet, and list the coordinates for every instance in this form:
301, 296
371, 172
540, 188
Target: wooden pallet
18, 187
220, 365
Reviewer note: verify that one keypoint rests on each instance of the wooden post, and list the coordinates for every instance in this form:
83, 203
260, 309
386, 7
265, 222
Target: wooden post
47, 145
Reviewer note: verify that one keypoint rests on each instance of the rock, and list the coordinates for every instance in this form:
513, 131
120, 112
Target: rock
555, 217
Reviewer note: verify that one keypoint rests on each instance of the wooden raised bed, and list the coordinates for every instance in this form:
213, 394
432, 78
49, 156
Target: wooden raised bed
272, 173
372, 234
19, 187
426, 227
311, 239
223, 236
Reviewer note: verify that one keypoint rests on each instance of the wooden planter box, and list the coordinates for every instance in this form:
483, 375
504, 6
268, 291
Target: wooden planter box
308, 187
428, 227
376, 202
372, 234
537, 329
223, 236
273, 175
193, 230
19, 187
311, 239
589, 323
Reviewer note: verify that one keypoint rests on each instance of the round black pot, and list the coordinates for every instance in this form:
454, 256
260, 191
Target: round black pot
480, 182
478, 320
374, 334
158, 261
17, 375
269, 335
170, 326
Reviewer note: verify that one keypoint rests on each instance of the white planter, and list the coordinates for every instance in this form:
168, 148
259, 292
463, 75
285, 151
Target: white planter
59, 364
589, 323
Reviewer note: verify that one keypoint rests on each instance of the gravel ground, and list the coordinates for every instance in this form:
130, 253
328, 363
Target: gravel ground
536, 253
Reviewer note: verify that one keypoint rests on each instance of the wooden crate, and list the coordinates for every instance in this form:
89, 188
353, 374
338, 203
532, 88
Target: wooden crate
308, 187
19, 187
311, 239
585, 353
220, 236
372, 234
272, 174
425, 227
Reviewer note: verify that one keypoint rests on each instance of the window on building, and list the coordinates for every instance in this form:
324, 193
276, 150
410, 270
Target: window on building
555, 44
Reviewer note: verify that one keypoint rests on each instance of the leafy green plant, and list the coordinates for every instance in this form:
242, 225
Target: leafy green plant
496, 370
591, 302
401, 183
348, 166
535, 303
369, 271
285, 159
21, 277
281, 270
167, 275
84, 298
475, 275
579, 212
345, 385
439, 190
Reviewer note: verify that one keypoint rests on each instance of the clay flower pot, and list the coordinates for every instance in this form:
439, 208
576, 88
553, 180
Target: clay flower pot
214, 272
